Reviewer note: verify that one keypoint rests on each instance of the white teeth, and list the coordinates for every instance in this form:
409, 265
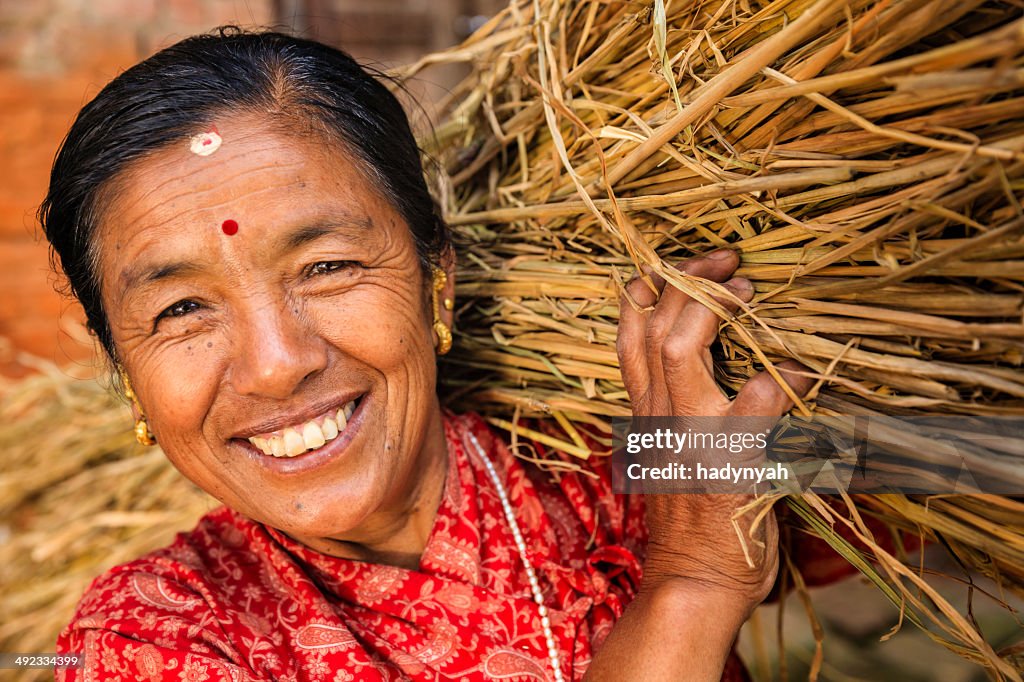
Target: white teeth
313, 436
293, 443
308, 436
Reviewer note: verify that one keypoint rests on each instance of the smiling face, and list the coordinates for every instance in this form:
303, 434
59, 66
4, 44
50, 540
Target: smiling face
301, 328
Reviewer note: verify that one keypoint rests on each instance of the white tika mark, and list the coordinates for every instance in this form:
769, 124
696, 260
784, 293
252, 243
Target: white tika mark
205, 144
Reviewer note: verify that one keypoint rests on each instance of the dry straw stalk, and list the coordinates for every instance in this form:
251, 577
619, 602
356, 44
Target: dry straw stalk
865, 158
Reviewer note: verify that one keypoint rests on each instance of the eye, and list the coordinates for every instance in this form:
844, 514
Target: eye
326, 267
179, 309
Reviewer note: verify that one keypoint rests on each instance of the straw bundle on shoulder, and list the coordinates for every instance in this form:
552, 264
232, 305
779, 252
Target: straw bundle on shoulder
866, 159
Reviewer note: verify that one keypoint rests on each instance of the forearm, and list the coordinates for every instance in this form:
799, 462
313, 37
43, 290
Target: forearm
678, 631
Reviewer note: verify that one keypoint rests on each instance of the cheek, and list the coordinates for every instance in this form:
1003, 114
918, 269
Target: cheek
382, 331
177, 401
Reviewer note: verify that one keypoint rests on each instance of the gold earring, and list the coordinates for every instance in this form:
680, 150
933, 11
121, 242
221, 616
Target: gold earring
444, 334
142, 432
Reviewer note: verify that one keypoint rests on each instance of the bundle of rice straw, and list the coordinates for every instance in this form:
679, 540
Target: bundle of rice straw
865, 157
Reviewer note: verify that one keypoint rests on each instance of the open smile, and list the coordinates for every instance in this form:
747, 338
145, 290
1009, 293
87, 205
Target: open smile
308, 444
310, 435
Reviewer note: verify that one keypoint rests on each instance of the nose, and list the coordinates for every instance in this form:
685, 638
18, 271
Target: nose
276, 350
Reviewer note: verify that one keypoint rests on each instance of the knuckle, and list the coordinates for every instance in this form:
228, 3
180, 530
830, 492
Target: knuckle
742, 287
727, 303
629, 325
626, 345
765, 397
622, 342
733, 303
678, 351
658, 329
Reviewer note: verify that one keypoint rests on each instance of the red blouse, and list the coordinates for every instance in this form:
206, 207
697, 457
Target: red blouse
236, 600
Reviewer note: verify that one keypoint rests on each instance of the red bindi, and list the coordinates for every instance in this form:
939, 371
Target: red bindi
229, 227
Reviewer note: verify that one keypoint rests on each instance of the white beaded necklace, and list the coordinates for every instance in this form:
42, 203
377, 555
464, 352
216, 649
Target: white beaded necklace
538, 597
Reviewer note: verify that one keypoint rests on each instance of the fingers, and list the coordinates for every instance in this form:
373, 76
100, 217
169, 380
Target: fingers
671, 330
664, 348
686, 357
668, 317
763, 397
632, 328
645, 289
697, 328
717, 267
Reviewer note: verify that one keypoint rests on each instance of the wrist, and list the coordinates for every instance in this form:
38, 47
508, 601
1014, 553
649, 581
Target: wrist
677, 629
721, 566
687, 596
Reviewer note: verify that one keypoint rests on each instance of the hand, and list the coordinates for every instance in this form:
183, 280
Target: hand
668, 371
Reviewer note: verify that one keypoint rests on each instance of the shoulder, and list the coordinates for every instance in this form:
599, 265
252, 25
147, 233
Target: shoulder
165, 609
196, 560
186, 562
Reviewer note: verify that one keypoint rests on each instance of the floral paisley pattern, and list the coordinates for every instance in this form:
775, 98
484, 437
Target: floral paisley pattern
323, 637
236, 600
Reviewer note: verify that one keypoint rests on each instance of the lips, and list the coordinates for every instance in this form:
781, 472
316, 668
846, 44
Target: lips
312, 434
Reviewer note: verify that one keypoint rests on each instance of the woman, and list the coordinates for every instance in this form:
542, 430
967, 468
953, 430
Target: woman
245, 221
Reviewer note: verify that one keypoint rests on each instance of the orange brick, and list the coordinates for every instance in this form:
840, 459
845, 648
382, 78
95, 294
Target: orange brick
31, 315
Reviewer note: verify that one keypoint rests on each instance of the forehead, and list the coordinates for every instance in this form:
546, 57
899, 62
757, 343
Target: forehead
251, 155
260, 176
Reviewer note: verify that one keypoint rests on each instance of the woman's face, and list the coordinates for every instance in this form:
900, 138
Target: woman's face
287, 368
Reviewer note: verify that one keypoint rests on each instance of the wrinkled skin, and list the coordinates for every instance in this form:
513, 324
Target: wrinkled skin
667, 368
318, 298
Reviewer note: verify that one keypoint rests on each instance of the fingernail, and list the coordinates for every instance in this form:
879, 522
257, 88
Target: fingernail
720, 254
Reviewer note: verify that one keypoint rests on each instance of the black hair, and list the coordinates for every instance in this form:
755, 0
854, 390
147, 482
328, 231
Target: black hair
177, 93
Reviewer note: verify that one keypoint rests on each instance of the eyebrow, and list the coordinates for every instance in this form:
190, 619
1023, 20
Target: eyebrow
160, 271
355, 228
